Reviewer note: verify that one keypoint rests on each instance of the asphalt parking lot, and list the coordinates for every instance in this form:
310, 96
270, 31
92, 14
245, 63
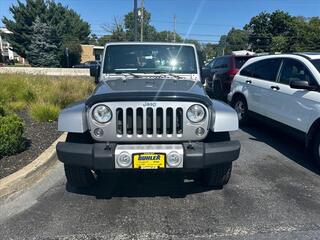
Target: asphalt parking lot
274, 193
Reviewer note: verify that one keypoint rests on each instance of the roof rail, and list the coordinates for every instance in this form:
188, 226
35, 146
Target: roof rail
301, 55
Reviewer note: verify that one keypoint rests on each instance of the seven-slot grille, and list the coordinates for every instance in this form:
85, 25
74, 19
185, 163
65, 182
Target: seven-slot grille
138, 121
148, 121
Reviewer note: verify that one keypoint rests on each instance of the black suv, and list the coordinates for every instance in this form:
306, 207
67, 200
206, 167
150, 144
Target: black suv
223, 69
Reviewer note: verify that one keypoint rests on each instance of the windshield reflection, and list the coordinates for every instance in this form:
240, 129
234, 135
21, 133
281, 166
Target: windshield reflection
150, 59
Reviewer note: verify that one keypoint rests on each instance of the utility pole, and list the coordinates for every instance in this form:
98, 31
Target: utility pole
67, 56
174, 28
135, 10
142, 13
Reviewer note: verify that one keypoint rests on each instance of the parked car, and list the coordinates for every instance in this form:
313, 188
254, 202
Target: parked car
223, 69
284, 90
87, 64
149, 111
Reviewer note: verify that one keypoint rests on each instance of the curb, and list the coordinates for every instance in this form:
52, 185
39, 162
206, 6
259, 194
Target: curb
32, 172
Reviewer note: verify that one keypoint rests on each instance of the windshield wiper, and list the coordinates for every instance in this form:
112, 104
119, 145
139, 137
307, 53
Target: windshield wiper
130, 73
168, 73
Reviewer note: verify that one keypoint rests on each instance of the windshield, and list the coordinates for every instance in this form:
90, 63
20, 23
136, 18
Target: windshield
316, 63
150, 59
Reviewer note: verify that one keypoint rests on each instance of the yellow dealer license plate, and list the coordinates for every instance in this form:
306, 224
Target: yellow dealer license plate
149, 160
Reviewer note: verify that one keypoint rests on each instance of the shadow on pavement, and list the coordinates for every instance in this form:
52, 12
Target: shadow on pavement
288, 146
142, 184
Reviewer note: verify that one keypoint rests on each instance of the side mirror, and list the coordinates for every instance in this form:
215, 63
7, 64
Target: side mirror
95, 72
298, 84
205, 73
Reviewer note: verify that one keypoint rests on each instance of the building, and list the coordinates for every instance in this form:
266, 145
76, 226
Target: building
91, 53
6, 54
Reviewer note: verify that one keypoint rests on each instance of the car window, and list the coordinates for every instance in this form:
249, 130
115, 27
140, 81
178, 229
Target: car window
221, 62
217, 63
248, 71
225, 62
266, 69
211, 64
293, 70
316, 63
239, 61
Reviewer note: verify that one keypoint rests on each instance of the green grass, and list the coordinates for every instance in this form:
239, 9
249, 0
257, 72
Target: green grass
43, 96
44, 112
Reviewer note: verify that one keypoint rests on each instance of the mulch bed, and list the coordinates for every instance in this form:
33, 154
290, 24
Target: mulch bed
39, 136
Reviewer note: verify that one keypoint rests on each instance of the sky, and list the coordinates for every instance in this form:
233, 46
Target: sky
204, 20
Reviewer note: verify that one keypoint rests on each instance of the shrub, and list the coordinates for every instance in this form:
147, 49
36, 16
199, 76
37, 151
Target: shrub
2, 111
11, 135
44, 112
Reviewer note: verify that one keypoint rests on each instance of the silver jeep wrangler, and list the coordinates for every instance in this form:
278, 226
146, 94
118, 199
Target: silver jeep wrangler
149, 111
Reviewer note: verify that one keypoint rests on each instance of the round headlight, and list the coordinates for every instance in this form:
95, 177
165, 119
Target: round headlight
196, 113
102, 114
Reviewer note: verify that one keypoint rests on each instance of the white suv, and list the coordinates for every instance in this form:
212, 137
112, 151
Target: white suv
285, 90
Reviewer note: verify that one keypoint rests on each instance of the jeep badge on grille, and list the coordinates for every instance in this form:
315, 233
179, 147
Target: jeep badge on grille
150, 104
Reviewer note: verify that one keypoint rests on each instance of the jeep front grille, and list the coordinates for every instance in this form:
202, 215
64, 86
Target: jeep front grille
148, 122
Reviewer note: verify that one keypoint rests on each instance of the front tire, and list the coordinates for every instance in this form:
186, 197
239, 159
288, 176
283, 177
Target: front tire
216, 176
316, 150
240, 105
79, 177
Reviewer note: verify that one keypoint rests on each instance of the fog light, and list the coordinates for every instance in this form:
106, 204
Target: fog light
200, 131
98, 132
124, 160
174, 159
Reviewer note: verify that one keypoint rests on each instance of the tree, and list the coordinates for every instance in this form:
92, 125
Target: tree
117, 31
168, 36
210, 50
149, 31
93, 39
282, 32
74, 52
104, 39
279, 44
259, 29
237, 39
67, 24
304, 35
280, 23
42, 50
222, 46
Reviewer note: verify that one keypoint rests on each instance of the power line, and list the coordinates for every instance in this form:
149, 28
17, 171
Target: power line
202, 34
204, 24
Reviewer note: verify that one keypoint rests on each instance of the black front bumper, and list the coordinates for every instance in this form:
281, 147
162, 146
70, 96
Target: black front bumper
99, 156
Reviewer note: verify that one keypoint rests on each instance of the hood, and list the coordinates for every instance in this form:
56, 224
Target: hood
149, 90
149, 85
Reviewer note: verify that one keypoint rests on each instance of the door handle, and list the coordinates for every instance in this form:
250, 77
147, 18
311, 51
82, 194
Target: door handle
275, 87
248, 81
